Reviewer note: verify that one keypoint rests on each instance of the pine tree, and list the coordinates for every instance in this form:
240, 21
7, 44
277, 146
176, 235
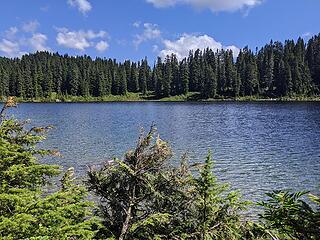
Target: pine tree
27, 211
133, 84
231, 74
143, 75
158, 73
115, 80
101, 78
21, 90
167, 77
184, 76
217, 210
175, 87
195, 71
73, 78
4, 83
222, 81
123, 81
210, 84
128, 187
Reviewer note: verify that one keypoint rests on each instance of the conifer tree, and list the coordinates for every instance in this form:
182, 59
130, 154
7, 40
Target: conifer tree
143, 75
184, 76
210, 84
123, 81
167, 77
133, 84
159, 86
27, 211
73, 78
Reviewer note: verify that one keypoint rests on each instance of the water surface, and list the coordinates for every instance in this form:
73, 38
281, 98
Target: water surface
257, 146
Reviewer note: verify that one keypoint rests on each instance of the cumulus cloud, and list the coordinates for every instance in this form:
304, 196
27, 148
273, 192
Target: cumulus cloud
235, 50
9, 48
15, 43
38, 42
102, 46
213, 5
187, 42
30, 26
150, 32
83, 6
79, 40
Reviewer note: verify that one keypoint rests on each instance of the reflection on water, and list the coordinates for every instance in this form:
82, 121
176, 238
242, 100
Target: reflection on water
257, 146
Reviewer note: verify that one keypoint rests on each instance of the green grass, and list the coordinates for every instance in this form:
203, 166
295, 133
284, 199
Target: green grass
281, 99
135, 97
110, 98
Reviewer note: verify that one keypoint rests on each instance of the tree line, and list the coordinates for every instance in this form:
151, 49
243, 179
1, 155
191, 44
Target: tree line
278, 69
142, 196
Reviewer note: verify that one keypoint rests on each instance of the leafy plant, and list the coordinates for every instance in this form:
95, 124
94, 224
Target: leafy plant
288, 216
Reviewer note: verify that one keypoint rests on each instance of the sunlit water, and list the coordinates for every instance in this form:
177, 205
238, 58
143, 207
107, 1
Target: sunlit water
258, 147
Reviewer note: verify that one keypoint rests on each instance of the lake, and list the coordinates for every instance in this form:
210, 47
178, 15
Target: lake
257, 146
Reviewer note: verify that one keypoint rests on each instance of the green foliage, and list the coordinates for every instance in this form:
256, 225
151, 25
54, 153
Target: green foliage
27, 211
127, 187
143, 197
287, 216
217, 209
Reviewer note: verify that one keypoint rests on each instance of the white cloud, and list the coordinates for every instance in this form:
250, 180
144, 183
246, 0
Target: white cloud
91, 34
83, 6
136, 24
11, 32
155, 48
187, 42
102, 46
307, 35
213, 5
10, 48
30, 26
15, 43
235, 50
38, 42
150, 32
163, 3
79, 40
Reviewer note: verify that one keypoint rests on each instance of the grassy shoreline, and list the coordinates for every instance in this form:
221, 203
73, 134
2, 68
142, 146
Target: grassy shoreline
135, 97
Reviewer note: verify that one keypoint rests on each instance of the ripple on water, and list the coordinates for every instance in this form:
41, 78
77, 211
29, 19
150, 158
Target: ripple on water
257, 146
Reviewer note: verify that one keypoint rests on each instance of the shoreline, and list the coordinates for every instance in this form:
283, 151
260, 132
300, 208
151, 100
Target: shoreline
166, 100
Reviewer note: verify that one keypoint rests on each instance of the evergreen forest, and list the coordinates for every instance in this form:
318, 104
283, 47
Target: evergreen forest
288, 69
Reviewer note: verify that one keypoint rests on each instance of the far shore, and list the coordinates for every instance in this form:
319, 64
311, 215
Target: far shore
191, 97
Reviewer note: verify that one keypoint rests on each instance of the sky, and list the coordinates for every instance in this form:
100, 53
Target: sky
134, 29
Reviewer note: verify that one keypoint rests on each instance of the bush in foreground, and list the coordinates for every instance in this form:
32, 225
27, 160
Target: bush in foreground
144, 197
27, 211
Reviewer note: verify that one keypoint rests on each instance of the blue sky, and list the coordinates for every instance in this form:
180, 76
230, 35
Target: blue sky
133, 29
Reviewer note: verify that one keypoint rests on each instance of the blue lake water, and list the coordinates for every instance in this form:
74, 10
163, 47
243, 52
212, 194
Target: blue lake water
257, 146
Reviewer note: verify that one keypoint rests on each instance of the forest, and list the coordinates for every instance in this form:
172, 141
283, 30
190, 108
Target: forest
288, 69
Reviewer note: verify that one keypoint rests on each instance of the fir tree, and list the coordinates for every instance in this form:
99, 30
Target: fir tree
27, 211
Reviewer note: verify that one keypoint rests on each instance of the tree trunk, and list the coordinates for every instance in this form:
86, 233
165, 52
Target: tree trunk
125, 225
